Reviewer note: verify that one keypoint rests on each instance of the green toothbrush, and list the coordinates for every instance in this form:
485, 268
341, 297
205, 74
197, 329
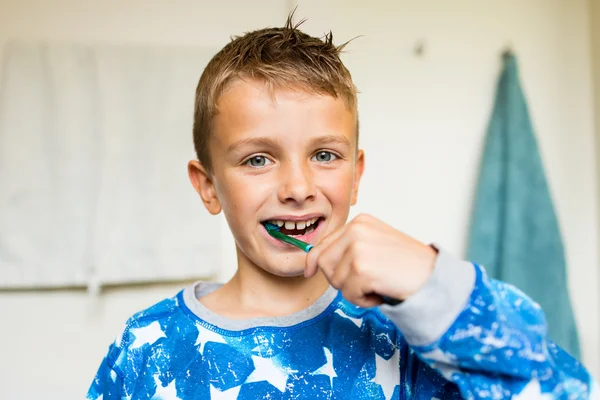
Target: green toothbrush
274, 231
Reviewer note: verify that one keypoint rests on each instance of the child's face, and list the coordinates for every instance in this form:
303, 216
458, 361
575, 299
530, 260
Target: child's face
287, 157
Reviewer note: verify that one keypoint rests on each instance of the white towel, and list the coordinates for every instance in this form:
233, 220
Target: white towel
94, 142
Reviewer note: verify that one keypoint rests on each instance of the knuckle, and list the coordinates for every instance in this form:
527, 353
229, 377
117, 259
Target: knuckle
358, 269
351, 249
363, 218
354, 231
336, 282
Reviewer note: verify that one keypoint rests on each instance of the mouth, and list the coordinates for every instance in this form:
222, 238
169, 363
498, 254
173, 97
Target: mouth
296, 227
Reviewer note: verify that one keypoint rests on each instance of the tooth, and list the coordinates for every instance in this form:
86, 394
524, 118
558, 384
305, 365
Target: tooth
314, 220
308, 223
279, 223
300, 225
289, 225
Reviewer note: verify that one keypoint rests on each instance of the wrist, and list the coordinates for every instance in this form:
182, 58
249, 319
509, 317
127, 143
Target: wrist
422, 269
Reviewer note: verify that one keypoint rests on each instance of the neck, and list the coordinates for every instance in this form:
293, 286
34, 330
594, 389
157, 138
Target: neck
254, 292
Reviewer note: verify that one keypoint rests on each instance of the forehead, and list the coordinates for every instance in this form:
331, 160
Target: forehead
250, 108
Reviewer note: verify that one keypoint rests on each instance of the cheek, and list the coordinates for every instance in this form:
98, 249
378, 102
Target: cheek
236, 202
338, 189
229, 195
240, 198
236, 209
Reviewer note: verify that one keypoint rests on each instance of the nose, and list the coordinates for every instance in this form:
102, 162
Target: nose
297, 183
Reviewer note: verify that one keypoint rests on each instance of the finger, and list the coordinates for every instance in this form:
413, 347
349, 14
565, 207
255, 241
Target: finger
370, 300
334, 255
341, 271
346, 244
356, 291
311, 259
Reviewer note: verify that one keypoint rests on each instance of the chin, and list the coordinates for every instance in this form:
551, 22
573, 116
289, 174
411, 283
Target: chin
281, 270
297, 274
282, 265
285, 273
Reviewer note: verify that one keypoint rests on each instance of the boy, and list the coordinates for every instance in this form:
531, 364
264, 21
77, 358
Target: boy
276, 135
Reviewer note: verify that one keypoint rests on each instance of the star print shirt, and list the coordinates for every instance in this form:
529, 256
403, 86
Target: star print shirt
461, 336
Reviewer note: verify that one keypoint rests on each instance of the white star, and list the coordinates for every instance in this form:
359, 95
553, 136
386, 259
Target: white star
231, 393
148, 334
258, 350
387, 373
168, 392
533, 390
327, 368
357, 321
205, 336
266, 370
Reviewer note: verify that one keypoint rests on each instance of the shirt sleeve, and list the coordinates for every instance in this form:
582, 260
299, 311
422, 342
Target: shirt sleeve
487, 337
108, 384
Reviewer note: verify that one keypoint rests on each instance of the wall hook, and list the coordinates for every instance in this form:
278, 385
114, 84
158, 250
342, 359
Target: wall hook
419, 49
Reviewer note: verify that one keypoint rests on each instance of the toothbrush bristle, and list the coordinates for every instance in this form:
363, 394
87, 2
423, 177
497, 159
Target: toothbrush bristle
271, 227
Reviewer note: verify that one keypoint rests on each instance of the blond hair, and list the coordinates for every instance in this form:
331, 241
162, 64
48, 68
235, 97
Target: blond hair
281, 57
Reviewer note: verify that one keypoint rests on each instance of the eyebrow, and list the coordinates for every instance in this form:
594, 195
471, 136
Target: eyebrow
271, 143
331, 139
259, 142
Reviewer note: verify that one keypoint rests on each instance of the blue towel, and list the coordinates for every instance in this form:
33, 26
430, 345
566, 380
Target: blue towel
514, 230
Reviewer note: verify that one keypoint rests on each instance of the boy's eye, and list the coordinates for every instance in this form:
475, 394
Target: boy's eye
324, 156
258, 161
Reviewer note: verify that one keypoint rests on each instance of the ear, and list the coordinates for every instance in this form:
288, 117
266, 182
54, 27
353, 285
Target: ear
202, 182
359, 168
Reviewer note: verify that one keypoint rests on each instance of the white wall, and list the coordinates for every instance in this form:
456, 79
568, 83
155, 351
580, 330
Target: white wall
595, 48
423, 121
425, 117
53, 342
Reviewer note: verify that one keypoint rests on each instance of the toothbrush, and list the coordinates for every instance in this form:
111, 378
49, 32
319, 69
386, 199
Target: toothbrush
274, 231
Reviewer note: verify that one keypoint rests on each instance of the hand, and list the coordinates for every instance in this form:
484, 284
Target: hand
367, 258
